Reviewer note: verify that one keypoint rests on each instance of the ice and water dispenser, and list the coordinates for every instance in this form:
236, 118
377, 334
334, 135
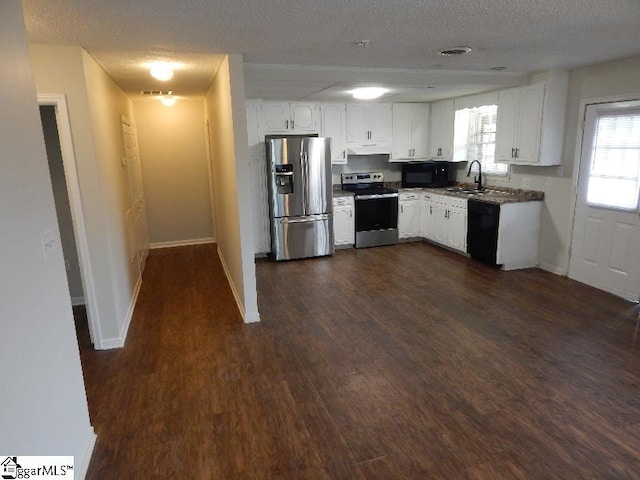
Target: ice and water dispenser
284, 179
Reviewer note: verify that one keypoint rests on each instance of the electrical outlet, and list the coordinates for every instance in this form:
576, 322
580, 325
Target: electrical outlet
48, 244
526, 182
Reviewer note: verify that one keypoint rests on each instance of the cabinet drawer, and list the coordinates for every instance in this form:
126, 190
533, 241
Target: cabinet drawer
408, 196
457, 202
340, 201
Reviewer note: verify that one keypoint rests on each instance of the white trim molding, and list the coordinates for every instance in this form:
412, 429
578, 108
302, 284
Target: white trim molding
234, 290
119, 342
182, 243
82, 464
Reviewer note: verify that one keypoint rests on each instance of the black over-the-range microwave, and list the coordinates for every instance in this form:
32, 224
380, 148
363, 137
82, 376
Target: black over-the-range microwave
425, 174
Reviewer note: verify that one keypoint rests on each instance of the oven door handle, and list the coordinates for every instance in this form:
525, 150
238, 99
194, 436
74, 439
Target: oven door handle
376, 196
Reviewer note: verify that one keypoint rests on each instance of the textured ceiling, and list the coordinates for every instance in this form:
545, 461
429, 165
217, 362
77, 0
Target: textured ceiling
522, 35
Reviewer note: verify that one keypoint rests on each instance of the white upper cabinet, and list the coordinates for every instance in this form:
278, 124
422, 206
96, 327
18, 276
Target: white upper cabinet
410, 132
441, 130
290, 117
334, 127
369, 127
531, 119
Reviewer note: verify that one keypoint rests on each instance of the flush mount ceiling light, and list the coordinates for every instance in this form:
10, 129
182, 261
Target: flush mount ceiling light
168, 100
498, 69
161, 71
368, 93
362, 43
453, 51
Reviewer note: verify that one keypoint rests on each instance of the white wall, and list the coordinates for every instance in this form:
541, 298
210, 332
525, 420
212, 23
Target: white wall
61, 197
225, 112
43, 401
95, 105
175, 171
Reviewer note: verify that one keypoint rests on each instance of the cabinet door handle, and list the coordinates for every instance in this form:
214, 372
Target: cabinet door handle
512, 152
517, 153
351, 213
430, 210
292, 125
439, 151
286, 124
401, 208
344, 154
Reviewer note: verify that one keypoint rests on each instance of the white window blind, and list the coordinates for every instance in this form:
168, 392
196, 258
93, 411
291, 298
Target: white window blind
614, 177
475, 138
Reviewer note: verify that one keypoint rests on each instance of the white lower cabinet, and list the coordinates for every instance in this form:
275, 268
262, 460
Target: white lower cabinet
427, 218
446, 221
261, 234
344, 231
408, 215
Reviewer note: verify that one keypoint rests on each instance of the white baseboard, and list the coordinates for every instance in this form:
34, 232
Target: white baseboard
82, 464
182, 243
75, 301
233, 286
110, 343
553, 269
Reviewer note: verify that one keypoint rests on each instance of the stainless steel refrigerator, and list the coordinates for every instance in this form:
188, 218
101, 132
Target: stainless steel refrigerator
300, 197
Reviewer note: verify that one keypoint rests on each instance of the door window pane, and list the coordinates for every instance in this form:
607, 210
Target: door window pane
614, 177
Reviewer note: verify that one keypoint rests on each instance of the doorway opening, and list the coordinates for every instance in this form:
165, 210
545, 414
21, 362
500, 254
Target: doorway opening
66, 190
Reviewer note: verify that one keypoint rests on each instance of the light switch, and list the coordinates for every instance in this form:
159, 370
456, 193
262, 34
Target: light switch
48, 244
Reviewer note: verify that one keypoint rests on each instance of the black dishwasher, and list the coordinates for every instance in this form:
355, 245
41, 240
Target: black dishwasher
482, 230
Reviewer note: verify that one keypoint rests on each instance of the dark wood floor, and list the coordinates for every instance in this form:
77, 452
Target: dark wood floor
403, 362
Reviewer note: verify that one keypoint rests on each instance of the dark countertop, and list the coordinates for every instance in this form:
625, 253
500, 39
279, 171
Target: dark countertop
498, 195
338, 192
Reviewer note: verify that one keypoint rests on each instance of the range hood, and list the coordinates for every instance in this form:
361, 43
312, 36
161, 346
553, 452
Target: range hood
380, 148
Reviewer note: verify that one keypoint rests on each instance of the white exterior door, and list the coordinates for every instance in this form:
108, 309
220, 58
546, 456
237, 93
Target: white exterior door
605, 249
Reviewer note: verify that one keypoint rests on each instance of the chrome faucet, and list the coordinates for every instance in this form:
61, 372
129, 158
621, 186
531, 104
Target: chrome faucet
478, 179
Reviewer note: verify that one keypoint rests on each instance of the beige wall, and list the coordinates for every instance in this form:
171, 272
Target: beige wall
175, 171
44, 407
95, 105
225, 113
107, 105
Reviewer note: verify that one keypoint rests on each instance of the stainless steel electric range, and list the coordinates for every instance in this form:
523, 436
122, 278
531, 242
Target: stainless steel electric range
376, 209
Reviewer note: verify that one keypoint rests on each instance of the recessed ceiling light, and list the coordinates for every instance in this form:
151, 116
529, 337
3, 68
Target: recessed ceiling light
168, 100
453, 51
368, 93
498, 69
362, 43
161, 71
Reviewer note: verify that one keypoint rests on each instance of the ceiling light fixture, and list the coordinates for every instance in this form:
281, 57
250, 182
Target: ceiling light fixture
368, 93
363, 43
453, 51
168, 100
161, 71
498, 69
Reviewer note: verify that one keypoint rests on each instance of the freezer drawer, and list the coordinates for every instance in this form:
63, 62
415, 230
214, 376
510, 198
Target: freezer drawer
302, 237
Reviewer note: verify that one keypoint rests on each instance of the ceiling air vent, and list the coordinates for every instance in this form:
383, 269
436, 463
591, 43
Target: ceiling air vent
156, 93
450, 52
